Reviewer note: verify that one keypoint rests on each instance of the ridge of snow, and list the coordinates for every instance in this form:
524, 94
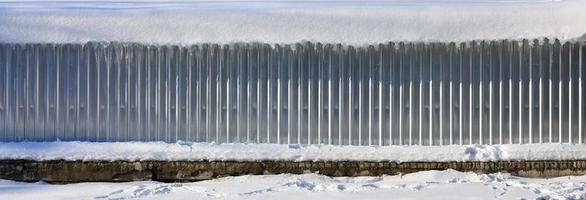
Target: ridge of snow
134, 151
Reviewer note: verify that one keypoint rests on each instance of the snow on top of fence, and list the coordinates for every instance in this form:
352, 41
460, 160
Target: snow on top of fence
348, 22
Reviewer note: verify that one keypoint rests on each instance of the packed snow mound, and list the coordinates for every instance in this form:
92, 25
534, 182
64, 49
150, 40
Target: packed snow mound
448, 184
133, 151
346, 21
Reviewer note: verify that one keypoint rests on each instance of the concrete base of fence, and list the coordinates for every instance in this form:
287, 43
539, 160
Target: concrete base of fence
170, 171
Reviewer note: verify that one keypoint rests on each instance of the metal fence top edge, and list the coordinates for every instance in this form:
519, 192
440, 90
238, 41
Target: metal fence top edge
303, 44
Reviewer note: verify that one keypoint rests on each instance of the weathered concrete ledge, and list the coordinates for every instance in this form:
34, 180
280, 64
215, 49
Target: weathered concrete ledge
59, 171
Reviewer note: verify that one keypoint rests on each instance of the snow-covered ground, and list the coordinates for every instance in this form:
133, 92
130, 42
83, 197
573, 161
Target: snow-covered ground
447, 184
252, 152
343, 21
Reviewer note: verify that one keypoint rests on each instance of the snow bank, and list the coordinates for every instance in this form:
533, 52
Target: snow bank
346, 21
251, 152
447, 184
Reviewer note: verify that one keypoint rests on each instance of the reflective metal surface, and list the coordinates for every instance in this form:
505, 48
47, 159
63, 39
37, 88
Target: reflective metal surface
483, 92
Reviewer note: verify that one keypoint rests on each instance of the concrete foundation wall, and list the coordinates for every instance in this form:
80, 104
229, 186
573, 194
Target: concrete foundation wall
171, 171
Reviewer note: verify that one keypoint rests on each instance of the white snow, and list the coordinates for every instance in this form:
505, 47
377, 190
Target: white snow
447, 184
344, 21
253, 152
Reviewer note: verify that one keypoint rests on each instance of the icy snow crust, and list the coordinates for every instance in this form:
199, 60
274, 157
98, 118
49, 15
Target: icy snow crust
447, 184
133, 151
347, 21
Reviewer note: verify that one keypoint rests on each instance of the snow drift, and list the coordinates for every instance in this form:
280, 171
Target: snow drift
446, 184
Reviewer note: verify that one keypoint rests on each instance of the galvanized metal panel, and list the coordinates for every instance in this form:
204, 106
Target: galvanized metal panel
480, 92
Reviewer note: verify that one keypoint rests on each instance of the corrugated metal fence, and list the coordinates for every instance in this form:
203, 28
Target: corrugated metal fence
493, 92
